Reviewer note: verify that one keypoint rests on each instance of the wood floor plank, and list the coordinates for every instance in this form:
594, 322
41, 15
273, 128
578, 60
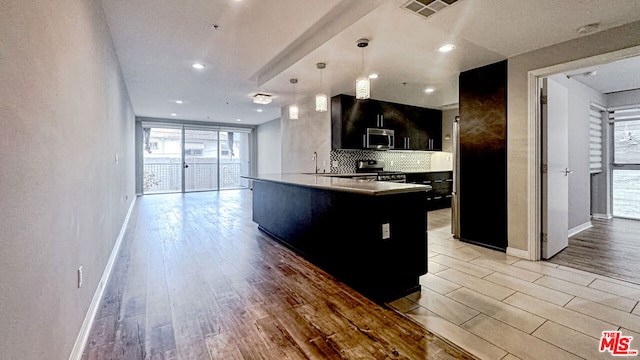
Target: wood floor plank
196, 279
610, 248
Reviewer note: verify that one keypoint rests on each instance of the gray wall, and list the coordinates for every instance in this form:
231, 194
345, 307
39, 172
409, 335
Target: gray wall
580, 98
65, 114
520, 135
631, 97
269, 142
300, 138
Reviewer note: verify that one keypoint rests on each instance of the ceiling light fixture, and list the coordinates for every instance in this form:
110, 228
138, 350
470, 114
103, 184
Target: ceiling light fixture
429, 90
322, 101
197, 66
363, 85
179, 102
259, 110
293, 108
373, 76
446, 48
174, 114
261, 99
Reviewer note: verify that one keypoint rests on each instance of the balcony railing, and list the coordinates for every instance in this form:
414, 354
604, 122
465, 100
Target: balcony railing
167, 176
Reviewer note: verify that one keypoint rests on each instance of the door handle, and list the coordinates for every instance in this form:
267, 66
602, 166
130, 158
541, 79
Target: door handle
185, 165
567, 172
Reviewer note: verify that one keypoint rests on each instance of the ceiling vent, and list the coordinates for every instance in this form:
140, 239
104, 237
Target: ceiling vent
427, 8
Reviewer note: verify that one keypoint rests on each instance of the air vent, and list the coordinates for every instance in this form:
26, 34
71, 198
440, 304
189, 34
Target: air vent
427, 8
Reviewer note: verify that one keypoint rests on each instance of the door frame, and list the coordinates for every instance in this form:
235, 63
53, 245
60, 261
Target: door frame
534, 162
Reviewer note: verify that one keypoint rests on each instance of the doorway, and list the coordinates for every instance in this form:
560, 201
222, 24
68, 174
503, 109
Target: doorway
602, 242
188, 158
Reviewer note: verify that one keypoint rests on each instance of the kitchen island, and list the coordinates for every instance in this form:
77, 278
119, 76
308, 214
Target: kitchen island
371, 235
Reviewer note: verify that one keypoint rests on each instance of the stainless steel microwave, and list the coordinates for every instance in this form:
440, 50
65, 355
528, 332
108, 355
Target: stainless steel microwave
379, 139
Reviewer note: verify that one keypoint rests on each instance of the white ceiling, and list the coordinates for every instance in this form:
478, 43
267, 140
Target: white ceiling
616, 76
261, 44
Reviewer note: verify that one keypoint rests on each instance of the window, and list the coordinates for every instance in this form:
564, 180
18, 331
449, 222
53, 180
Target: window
626, 161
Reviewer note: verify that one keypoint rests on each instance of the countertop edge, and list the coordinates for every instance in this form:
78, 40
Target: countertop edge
347, 185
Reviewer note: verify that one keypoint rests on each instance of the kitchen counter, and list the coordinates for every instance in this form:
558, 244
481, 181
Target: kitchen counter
371, 235
337, 182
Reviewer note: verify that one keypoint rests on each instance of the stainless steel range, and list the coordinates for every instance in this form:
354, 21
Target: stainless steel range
377, 167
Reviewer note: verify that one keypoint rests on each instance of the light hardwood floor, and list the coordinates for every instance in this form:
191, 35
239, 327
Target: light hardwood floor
195, 279
610, 248
497, 306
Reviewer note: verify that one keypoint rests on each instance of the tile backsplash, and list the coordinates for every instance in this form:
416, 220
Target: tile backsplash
394, 160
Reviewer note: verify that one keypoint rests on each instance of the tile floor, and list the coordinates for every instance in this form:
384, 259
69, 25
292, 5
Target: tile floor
496, 306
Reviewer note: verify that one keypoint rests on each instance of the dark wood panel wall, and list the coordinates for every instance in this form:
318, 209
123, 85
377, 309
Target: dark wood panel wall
483, 156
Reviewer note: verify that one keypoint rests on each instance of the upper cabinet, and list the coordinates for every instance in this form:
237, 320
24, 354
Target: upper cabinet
415, 128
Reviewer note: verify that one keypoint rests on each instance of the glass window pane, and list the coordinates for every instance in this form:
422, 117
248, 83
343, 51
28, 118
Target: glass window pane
627, 142
162, 158
626, 193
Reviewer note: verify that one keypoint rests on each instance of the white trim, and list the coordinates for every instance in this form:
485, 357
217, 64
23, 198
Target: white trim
83, 335
580, 228
523, 254
602, 216
534, 164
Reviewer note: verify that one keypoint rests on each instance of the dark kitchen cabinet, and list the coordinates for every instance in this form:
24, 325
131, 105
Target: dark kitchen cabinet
415, 128
441, 183
483, 150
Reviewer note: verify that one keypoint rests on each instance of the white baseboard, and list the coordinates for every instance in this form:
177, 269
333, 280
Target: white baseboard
523, 254
602, 216
83, 335
580, 228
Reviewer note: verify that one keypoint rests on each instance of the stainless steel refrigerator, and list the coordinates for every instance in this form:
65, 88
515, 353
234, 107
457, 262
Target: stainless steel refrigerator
455, 201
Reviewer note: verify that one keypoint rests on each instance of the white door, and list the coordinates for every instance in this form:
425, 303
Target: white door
555, 172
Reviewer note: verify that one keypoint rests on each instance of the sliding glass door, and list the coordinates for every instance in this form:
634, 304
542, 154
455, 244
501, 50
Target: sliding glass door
200, 160
184, 158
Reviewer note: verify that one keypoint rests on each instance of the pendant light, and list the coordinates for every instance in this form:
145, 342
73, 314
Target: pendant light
322, 101
363, 85
293, 108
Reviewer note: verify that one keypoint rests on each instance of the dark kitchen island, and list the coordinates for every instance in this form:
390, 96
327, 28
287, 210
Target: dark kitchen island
370, 235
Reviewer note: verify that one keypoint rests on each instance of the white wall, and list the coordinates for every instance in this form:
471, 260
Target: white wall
269, 143
64, 114
300, 138
521, 137
580, 98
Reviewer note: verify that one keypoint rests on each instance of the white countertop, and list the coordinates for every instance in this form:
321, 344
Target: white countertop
322, 181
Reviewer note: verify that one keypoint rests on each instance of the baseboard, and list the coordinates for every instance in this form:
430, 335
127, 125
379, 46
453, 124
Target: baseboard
83, 335
523, 254
580, 228
601, 216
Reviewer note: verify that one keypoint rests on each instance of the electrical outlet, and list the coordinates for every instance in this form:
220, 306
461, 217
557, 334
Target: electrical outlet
80, 277
386, 231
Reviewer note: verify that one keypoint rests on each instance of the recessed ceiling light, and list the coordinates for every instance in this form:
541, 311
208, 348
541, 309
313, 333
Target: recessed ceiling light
429, 90
446, 48
179, 102
259, 110
197, 66
174, 114
373, 76
238, 120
